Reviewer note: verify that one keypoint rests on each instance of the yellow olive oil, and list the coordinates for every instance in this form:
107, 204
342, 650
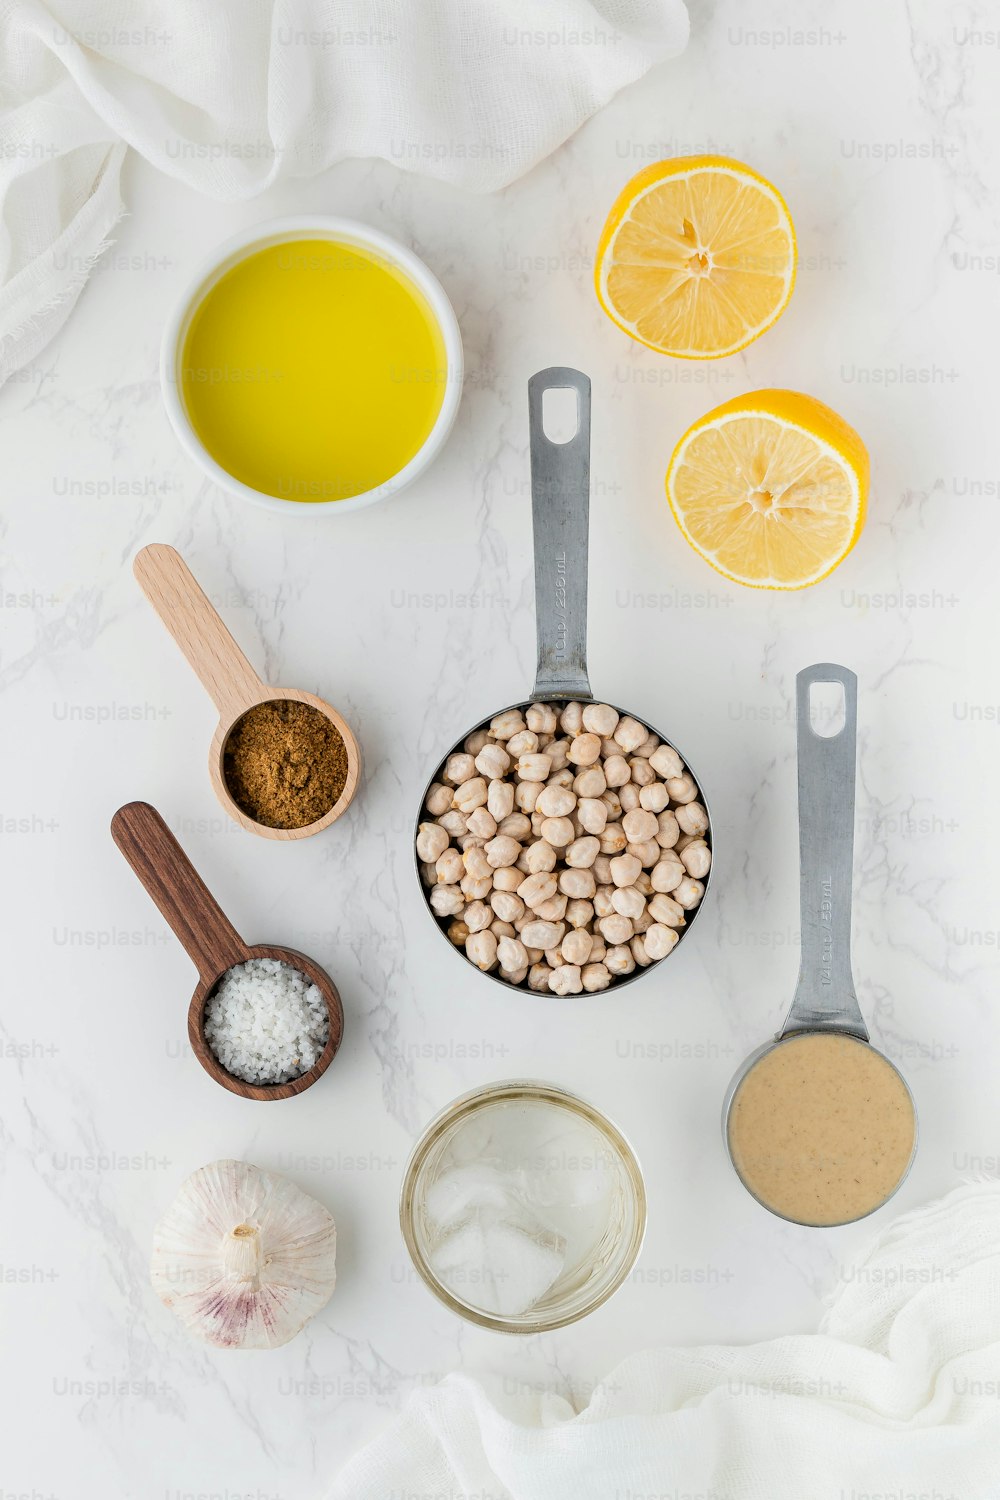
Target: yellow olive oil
313, 370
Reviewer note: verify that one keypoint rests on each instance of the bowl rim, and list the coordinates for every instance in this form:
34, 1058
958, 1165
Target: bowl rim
480, 1097
297, 227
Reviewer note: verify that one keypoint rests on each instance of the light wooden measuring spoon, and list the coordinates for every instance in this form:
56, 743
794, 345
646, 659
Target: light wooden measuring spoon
212, 943
230, 680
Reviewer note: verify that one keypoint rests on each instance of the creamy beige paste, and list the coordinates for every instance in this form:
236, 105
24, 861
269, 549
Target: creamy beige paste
822, 1129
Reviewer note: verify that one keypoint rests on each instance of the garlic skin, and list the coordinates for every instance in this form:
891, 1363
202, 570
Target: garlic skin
243, 1256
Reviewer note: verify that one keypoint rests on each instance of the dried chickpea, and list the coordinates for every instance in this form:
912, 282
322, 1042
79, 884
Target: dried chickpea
666, 910
696, 858
666, 763
515, 826
554, 909
629, 734
535, 889
438, 799
557, 831
619, 961
432, 841
482, 823
503, 850
542, 718
613, 840
603, 904
667, 874
616, 771
590, 782
585, 750
526, 795
627, 902
493, 762
450, 867
641, 771
639, 953
578, 884
555, 801
593, 814
470, 795
692, 818
625, 869
689, 893
600, 718
571, 718
507, 724
458, 768
566, 980
596, 977
481, 948
576, 946
682, 788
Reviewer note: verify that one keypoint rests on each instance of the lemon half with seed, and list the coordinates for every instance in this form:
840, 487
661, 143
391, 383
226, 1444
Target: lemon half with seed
771, 489
697, 257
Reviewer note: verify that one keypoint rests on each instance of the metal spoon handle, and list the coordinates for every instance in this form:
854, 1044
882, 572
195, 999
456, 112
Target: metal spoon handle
185, 610
560, 507
824, 995
183, 898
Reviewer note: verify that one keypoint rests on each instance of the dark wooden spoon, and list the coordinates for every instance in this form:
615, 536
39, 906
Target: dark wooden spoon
212, 943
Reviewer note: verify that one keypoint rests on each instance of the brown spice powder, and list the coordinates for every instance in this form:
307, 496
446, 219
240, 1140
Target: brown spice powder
285, 764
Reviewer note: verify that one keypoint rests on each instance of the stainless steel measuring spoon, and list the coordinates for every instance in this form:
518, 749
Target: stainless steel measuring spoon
560, 508
820, 1081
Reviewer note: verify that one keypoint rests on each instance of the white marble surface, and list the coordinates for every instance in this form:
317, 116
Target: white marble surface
880, 126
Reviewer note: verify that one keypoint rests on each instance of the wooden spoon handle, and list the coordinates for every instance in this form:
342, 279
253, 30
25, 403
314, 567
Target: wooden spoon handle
184, 900
175, 594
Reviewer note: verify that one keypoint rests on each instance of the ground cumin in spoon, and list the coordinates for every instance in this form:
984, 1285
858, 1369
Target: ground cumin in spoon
285, 764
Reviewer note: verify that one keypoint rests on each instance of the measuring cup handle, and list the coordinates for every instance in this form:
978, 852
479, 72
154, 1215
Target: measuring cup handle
560, 507
183, 899
824, 995
181, 604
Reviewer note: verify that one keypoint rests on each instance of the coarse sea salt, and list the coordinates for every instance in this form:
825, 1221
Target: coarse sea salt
266, 1022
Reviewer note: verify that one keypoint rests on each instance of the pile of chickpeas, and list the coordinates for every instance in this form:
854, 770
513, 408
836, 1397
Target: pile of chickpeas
564, 847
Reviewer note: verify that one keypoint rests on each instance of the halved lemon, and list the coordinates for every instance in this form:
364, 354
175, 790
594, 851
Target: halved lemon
697, 257
770, 488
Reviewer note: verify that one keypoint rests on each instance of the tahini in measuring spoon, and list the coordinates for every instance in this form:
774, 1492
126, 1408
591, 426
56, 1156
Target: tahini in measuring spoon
820, 1126
216, 949
305, 755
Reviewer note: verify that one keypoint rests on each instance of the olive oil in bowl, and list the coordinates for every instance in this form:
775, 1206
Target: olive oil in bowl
315, 369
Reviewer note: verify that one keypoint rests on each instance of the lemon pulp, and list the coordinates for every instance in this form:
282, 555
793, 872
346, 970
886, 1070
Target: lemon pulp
313, 370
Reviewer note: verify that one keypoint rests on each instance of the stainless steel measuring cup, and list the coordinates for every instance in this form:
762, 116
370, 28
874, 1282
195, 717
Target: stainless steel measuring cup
825, 1002
560, 507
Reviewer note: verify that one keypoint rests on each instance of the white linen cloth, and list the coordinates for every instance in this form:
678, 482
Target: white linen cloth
229, 95
897, 1397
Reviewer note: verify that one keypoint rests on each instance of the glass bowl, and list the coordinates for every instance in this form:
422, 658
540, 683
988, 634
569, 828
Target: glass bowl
601, 1258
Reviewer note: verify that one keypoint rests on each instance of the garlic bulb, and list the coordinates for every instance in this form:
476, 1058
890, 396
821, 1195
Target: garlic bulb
244, 1257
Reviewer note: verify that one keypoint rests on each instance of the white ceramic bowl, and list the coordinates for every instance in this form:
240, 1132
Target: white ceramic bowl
278, 231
